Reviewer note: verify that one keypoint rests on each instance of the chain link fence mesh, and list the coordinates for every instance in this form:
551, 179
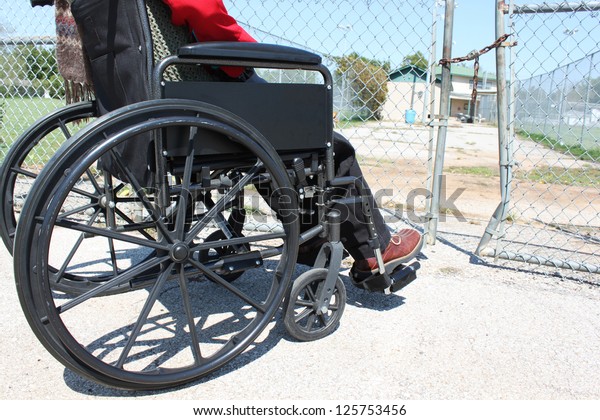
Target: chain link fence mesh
30, 86
382, 55
361, 41
553, 216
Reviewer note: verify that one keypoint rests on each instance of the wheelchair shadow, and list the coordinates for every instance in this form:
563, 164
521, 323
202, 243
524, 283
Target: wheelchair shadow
167, 349
377, 301
89, 387
272, 335
364, 299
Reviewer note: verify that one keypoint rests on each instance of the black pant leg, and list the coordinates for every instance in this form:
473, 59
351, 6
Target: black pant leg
354, 227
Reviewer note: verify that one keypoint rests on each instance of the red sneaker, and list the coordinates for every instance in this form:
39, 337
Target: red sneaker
403, 247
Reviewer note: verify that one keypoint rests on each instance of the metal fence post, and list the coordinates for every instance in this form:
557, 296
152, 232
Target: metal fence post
431, 78
433, 213
495, 225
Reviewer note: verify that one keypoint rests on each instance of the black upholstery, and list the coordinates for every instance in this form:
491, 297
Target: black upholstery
244, 51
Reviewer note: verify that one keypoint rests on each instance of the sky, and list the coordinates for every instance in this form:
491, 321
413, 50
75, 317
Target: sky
336, 13
339, 26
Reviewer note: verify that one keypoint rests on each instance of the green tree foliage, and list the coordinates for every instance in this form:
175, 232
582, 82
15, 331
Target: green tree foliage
417, 59
586, 90
368, 80
36, 65
41, 63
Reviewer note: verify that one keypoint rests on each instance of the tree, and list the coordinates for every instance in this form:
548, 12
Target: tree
41, 68
587, 90
368, 80
41, 63
417, 59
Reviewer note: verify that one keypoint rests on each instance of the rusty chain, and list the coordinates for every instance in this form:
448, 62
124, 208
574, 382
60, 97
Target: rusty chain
474, 55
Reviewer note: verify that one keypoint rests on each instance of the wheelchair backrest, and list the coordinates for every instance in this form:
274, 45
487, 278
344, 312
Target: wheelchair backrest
125, 39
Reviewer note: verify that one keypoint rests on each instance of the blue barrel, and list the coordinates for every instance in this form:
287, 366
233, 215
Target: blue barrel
410, 116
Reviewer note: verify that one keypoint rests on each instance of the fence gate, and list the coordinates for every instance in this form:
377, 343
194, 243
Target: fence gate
550, 145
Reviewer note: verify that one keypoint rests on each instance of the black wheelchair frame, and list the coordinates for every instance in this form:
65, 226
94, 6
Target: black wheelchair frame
143, 303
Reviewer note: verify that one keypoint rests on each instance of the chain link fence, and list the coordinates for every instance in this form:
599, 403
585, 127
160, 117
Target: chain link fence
361, 41
550, 213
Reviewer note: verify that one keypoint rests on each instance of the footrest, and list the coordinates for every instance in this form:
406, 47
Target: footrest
393, 282
404, 276
374, 283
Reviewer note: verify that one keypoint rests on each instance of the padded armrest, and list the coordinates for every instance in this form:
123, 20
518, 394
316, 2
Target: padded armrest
41, 3
249, 51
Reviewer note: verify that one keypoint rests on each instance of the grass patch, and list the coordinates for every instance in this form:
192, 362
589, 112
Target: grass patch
482, 171
582, 177
575, 150
22, 113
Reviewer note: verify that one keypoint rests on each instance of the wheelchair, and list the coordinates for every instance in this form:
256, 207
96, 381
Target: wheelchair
151, 276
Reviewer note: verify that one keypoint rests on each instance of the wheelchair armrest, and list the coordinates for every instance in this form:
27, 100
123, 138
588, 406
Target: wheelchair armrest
41, 3
249, 51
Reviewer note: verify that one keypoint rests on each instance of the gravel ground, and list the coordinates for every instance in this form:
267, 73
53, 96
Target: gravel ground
465, 329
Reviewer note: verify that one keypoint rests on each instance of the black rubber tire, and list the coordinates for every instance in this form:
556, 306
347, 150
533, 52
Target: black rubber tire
83, 332
15, 170
301, 318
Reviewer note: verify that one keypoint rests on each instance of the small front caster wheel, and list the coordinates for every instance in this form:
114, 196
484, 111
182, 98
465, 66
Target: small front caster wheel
303, 319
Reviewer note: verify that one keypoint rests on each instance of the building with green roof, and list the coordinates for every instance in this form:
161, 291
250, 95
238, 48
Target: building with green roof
408, 89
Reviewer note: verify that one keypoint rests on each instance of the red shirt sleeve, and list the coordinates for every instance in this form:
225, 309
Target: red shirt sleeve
209, 20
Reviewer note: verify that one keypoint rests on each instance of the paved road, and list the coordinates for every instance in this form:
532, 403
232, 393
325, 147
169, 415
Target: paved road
466, 329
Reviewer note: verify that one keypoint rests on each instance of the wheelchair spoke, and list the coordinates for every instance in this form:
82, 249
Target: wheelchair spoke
310, 323
130, 222
74, 250
78, 210
309, 291
62, 123
20, 171
113, 256
92, 179
305, 303
187, 175
110, 220
107, 285
303, 314
194, 342
227, 285
143, 317
221, 204
111, 234
143, 197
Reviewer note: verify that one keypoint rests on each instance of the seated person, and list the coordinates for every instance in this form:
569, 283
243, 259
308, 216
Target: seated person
208, 20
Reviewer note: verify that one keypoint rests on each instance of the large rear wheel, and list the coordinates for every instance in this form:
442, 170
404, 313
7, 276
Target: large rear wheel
181, 316
29, 153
